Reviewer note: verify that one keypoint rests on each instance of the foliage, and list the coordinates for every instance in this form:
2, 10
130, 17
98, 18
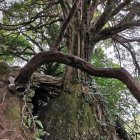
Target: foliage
38, 127
14, 45
30, 121
113, 91
110, 88
29, 26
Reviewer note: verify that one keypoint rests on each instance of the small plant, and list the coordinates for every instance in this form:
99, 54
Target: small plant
39, 129
31, 122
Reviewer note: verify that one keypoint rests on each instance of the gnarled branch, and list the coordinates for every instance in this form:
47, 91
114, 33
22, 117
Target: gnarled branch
110, 31
128, 46
54, 56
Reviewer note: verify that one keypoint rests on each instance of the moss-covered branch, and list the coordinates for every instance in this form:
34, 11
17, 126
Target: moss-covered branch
54, 56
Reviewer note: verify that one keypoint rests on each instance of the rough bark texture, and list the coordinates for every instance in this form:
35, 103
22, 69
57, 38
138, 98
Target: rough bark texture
48, 57
70, 117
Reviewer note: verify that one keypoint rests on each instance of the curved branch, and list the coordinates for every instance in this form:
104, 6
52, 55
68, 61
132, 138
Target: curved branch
110, 31
108, 13
125, 39
118, 38
121, 27
51, 56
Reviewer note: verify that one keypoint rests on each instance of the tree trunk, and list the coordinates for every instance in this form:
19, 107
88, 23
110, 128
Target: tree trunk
78, 114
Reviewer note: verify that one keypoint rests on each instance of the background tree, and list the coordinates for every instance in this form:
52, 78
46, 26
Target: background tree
74, 33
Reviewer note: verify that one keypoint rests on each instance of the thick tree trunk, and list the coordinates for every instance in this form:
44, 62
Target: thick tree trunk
78, 114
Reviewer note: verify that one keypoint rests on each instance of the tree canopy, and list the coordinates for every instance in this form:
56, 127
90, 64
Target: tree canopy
46, 34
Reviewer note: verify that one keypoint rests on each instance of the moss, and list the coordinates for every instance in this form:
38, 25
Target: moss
12, 110
86, 120
72, 115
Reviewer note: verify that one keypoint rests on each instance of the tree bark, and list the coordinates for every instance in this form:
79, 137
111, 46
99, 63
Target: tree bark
47, 57
77, 115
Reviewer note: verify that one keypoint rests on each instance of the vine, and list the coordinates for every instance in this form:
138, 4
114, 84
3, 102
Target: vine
28, 121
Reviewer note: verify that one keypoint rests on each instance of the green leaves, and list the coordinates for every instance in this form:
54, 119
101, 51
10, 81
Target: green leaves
34, 122
109, 88
13, 45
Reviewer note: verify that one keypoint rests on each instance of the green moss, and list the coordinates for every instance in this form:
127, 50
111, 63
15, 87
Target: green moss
12, 110
74, 117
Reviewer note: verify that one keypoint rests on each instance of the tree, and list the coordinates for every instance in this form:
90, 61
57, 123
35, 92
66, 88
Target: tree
67, 32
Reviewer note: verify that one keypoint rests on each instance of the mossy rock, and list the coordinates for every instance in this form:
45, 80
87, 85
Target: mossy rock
12, 110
